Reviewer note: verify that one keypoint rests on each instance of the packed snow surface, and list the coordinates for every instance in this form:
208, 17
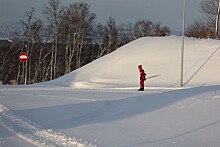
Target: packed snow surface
99, 105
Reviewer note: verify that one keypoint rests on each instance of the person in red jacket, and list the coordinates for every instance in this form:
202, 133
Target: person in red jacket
142, 77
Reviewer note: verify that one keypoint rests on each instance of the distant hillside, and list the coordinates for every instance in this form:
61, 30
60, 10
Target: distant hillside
6, 28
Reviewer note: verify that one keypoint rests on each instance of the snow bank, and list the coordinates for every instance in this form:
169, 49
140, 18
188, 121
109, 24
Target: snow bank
160, 57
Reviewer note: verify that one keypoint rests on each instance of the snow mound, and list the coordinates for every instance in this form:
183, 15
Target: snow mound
160, 57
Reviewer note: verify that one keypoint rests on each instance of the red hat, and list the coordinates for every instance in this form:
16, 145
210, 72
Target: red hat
139, 66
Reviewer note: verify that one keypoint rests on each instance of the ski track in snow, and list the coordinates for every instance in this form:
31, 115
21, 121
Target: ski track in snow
35, 134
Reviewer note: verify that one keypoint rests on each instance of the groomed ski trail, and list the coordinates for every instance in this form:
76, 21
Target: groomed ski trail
35, 134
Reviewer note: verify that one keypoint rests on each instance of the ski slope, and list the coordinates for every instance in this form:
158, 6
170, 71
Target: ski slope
159, 56
99, 105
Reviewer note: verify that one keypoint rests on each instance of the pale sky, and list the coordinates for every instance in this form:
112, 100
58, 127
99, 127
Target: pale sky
168, 12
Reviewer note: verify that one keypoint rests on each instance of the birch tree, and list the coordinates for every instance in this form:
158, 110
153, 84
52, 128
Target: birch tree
31, 37
217, 19
99, 40
107, 37
142, 28
52, 12
77, 26
111, 36
211, 8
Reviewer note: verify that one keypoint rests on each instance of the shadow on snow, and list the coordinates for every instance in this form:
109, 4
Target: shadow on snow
74, 115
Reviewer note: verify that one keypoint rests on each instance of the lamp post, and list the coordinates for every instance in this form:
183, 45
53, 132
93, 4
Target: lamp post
23, 58
182, 47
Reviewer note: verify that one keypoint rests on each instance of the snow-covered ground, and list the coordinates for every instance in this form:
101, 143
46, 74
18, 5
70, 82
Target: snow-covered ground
99, 105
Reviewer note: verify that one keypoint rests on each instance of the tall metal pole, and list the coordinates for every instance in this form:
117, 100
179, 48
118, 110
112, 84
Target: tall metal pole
23, 76
182, 47
25, 79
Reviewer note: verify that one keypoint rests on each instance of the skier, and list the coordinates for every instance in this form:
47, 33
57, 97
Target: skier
142, 77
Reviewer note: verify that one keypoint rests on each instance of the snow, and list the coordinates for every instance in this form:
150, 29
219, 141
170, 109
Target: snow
159, 56
99, 105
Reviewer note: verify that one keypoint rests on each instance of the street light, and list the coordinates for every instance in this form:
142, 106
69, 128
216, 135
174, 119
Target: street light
23, 73
182, 47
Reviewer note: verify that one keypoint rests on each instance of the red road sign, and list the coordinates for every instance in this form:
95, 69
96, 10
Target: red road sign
23, 57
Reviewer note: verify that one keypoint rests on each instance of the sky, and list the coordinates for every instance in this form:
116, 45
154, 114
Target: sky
168, 12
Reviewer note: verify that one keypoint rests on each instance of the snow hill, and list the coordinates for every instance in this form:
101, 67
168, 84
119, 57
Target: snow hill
99, 105
160, 57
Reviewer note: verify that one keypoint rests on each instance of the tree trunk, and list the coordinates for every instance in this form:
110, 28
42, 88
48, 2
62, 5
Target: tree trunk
217, 20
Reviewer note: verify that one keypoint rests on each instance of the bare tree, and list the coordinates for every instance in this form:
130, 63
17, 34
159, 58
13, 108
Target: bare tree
111, 36
31, 37
52, 13
32, 40
212, 10
144, 28
159, 30
125, 33
107, 37
41, 68
77, 28
99, 34
199, 29
217, 19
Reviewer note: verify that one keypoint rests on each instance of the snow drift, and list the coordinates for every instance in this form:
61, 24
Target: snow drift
160, 57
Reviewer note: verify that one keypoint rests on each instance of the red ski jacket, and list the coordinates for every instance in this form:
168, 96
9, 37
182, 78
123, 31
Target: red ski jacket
142, 74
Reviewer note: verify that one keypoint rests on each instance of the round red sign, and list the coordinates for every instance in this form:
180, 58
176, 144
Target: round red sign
23, 57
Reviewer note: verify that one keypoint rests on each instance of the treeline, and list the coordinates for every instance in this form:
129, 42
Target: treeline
68, 39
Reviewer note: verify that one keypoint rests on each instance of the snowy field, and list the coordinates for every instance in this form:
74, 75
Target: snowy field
99, 105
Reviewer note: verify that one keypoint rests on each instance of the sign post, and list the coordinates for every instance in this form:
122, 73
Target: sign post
23, 57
